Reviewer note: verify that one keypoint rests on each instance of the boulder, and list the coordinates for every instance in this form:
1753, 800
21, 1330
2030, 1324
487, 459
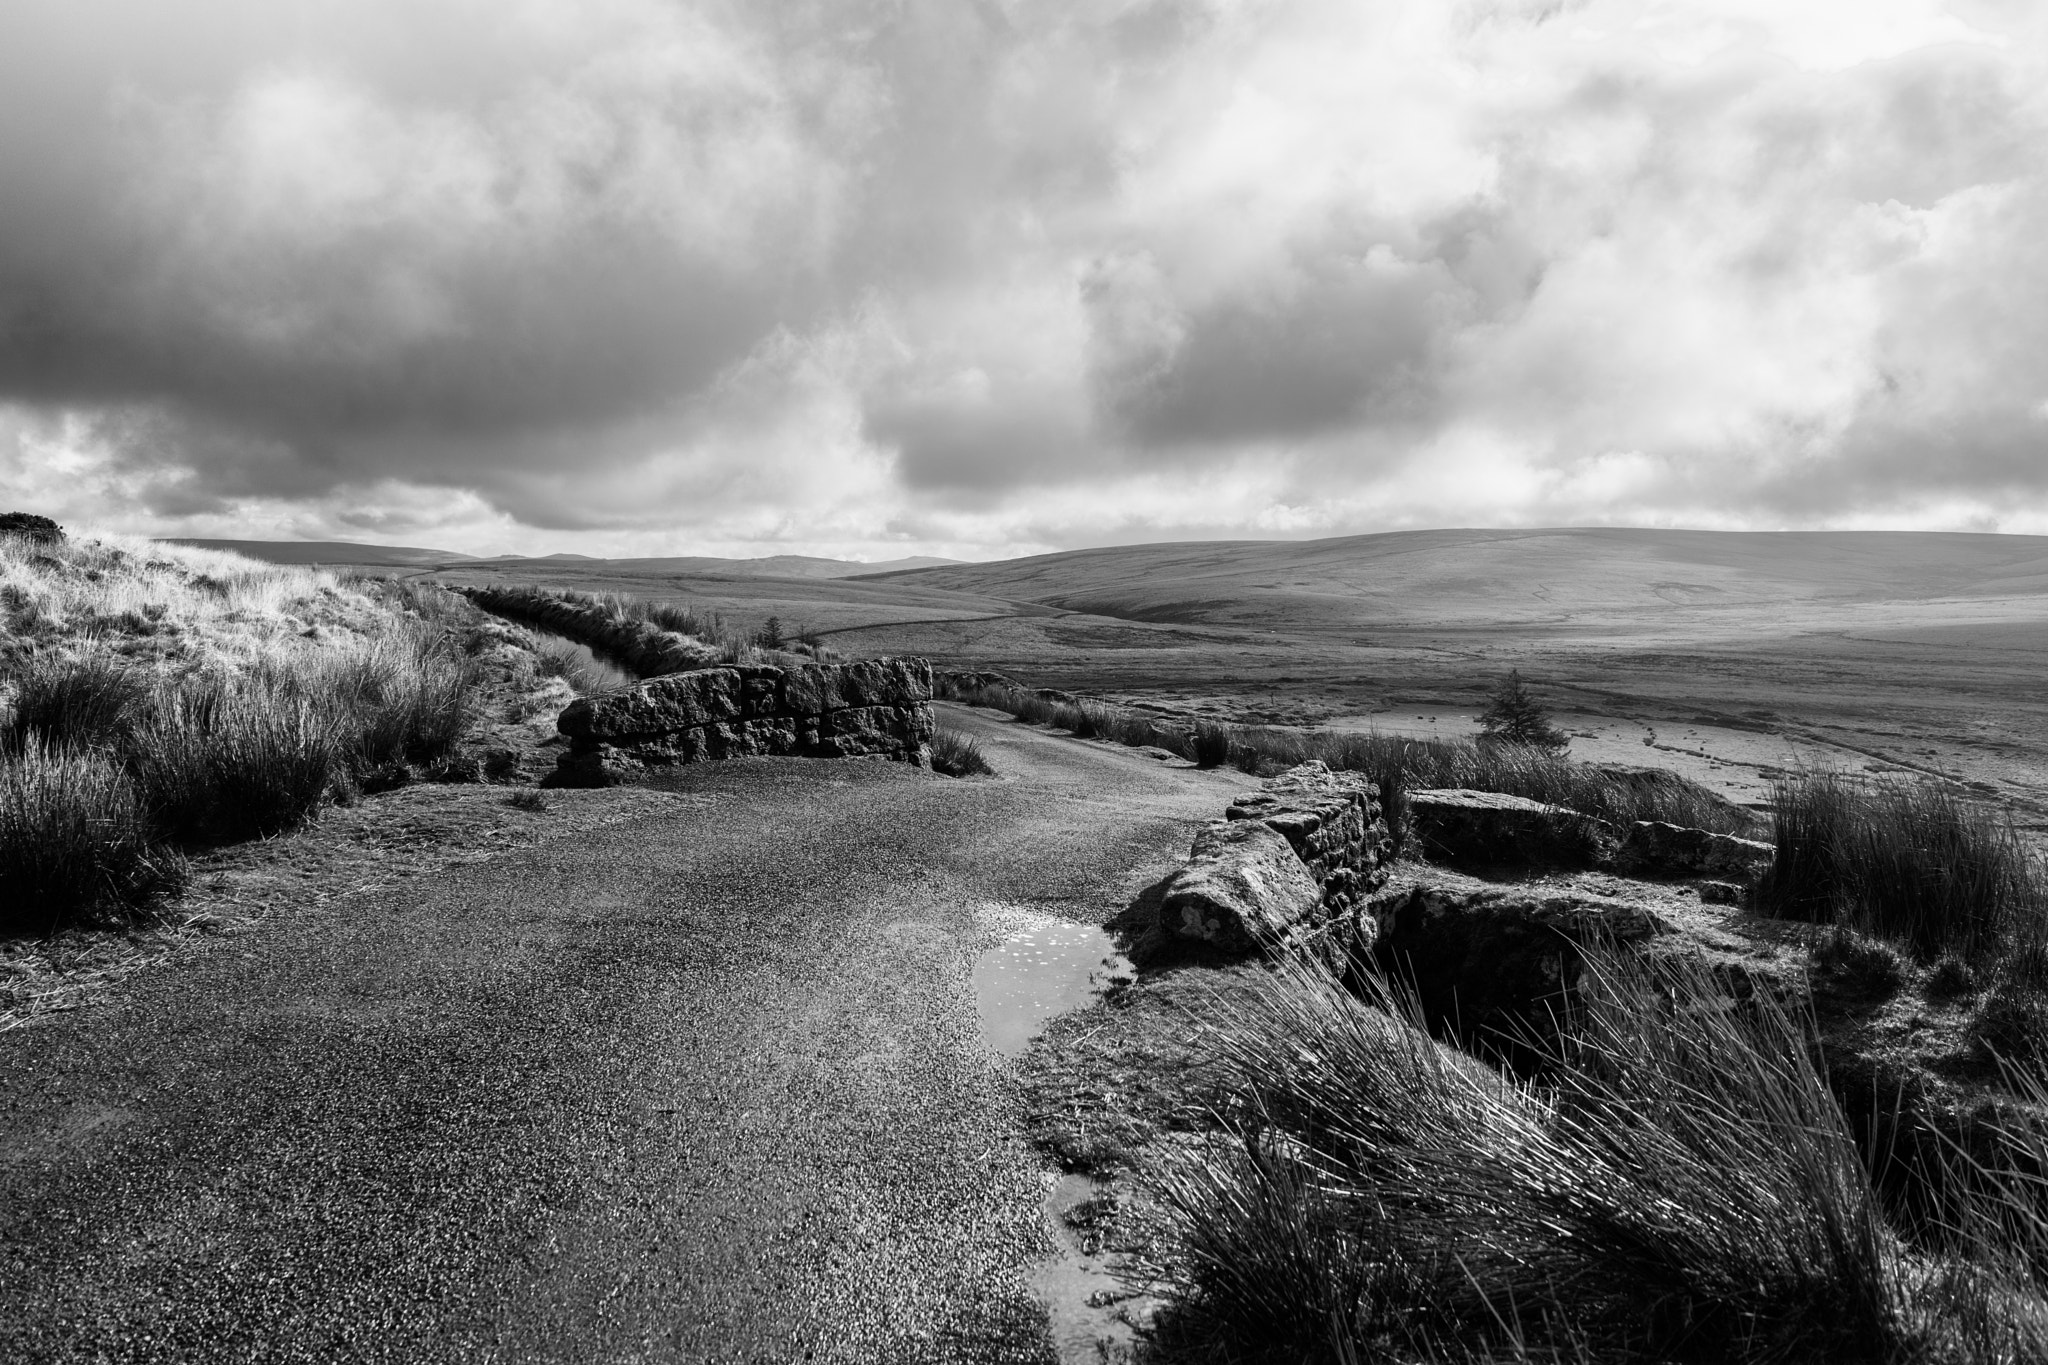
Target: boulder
1242, 889
1497, 964
1653, 848
1475, 828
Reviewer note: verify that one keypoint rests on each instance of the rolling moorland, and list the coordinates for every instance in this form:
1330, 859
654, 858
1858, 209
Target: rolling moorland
1725, 656
1740, 661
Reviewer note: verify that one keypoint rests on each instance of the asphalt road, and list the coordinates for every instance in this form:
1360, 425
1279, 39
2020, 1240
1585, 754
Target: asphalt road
707, 1086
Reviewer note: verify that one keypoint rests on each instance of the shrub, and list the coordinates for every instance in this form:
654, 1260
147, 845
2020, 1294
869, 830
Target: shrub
91, 700
1909, 862
958, 755
74, 842
528, 798
32, 528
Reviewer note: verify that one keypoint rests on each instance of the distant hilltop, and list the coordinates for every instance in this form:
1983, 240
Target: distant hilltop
344, 552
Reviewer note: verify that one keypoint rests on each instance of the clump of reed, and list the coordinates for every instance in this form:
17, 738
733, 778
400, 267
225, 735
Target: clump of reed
1913, 863
1680, 1185
958, 755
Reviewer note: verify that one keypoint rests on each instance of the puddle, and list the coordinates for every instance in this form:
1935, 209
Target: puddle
1043, 971
1091, 1311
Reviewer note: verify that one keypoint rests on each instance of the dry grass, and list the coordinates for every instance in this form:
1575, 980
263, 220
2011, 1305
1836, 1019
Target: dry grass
169, 604
159, 697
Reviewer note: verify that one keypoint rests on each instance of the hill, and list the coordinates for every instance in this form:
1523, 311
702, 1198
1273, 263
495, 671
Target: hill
345, 552
329, 552
1577, 579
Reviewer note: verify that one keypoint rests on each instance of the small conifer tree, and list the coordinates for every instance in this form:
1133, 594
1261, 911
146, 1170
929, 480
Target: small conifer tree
770, 635
1513, 716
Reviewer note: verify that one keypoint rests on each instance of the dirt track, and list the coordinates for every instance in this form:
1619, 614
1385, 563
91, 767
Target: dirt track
707, 1085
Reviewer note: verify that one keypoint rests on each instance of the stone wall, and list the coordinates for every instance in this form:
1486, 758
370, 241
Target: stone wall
1301, 852
873, 706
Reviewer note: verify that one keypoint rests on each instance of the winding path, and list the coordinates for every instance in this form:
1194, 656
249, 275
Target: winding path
707, 1086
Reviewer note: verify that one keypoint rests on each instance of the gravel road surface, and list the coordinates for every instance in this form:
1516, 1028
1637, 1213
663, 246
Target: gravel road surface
705, 1086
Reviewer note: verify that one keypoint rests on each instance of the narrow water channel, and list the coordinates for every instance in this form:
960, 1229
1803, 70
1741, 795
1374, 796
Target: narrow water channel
1021, 985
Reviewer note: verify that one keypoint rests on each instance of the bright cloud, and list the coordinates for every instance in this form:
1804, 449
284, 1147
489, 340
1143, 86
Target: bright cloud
881, 278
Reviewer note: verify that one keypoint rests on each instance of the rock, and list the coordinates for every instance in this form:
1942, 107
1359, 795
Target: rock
1332, 822
659, 706
1476, 828
1493, 964
816, 688
1242, 890
874, 706
1723, 893
1656, 849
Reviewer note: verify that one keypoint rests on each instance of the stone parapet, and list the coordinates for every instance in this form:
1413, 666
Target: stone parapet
872, 706
1298, 855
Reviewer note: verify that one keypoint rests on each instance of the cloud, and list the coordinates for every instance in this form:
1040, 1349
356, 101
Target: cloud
878, 276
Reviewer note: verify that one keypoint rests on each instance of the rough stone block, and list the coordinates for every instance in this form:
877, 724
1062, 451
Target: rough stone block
1657, 849
1492, 828
1241, 890
675, 701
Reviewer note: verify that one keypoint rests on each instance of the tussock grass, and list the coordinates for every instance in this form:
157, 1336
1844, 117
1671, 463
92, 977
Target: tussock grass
1397, 764
1681, 1186
586, 673
218, 760
1908, 862
74, 840
157, 697
958, 755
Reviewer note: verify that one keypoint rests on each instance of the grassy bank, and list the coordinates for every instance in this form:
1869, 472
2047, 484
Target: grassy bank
156, 699
644, 638
1396, 764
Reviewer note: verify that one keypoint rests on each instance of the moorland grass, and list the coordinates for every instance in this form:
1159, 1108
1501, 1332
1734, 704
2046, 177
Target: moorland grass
1397, 764
646, 638
75, 841
1680, 1186
958, 755
586, 673
227, 714
1912, 863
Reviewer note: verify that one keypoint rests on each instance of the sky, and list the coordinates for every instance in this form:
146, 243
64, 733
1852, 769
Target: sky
976, 278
